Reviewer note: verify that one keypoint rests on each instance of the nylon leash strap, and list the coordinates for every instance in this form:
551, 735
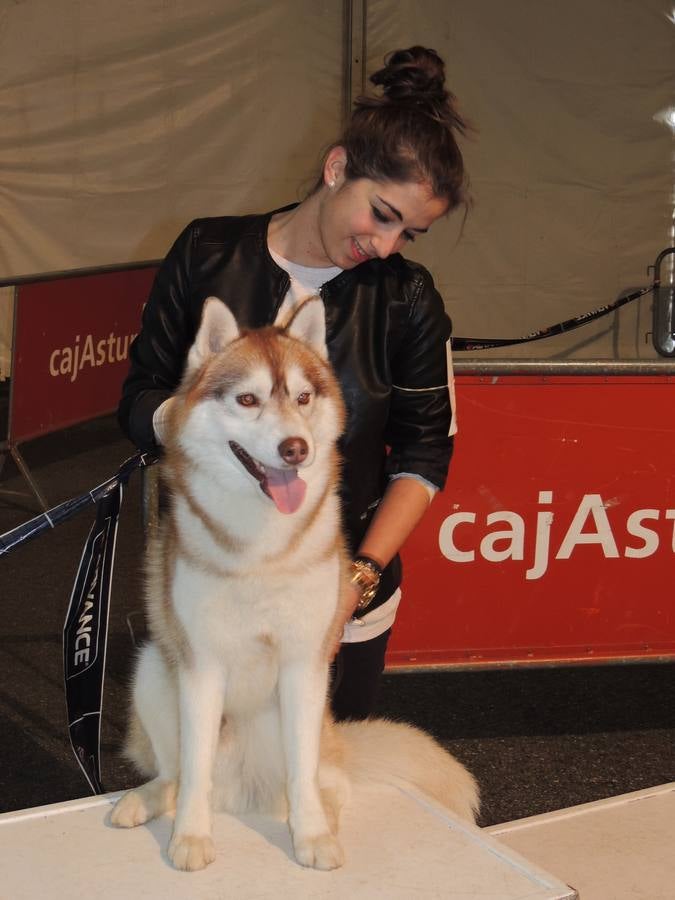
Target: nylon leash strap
471, 344
85, 632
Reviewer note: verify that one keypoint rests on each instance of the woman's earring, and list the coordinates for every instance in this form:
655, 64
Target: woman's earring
331, 184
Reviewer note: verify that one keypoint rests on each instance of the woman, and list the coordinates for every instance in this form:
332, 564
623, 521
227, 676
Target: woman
391, 175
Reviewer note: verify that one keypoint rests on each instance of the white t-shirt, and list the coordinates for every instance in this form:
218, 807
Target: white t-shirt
306, 281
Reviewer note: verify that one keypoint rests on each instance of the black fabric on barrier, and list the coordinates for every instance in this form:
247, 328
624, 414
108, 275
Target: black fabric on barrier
85, 636
85, 632
471, 344
66, 510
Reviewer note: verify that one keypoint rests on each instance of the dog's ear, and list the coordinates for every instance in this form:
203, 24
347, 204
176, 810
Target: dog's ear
217, 329
308, 324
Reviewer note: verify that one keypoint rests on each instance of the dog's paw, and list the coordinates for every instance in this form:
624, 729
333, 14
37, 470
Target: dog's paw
144, 803
130, 810
322, 852
190, 852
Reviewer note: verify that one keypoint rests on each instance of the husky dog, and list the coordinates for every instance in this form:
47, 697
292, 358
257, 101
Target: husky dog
244, 589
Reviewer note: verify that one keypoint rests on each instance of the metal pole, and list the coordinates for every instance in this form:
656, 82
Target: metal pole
40, 277
663, 327
543, 368
25, 471
8, 444
354, 54
10, 399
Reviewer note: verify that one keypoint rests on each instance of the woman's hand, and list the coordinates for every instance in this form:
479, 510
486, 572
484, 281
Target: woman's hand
404, 503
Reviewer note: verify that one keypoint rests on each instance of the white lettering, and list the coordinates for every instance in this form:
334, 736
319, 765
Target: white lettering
100, 353
670, 514
75, 368
649, 537
121, 346
66, 366
87, 352
83, 633
70, 361
590, 524
542, 540
515, 535
446, 537
591, 504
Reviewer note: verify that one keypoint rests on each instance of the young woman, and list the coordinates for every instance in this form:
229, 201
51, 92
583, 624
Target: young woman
395, 171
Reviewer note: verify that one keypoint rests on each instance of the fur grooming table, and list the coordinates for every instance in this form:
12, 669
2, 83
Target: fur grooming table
621, 848
397, 845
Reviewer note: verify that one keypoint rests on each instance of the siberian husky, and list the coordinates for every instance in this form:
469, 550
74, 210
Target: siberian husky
244, 591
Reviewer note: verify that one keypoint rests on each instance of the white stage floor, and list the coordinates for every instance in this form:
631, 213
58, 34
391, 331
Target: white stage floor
622, 848
398, 846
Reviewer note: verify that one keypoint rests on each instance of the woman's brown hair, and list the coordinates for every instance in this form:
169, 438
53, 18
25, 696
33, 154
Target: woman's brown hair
408, 132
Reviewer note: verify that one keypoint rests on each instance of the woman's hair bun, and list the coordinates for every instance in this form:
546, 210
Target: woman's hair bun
415, 75
407, 131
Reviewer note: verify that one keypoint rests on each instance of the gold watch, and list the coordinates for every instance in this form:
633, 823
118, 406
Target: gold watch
366, 576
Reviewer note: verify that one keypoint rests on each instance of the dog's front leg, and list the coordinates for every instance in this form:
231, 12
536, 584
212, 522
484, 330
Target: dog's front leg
302, 696
201, 707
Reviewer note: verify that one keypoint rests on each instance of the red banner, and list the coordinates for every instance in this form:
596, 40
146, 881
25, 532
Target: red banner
71, 348
554, 538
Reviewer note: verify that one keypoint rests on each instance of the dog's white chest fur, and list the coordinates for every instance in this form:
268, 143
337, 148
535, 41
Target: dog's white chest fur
250, 624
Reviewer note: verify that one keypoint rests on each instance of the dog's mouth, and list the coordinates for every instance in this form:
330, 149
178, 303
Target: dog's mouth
283, 486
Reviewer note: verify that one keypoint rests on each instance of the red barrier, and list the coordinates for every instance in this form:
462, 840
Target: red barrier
71, 345
554, 538
553, 541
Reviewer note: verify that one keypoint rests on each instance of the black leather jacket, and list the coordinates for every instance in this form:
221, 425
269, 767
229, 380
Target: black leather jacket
386, 335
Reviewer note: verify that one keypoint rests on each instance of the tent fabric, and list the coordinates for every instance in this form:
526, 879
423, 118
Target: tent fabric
121, 122
571, 175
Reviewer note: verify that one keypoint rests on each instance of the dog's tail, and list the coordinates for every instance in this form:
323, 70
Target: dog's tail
395, 753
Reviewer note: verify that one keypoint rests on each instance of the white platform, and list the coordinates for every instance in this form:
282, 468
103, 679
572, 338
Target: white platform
622, 848
398, 847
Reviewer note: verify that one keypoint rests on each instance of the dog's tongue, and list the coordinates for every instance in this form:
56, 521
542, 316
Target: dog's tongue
285, 488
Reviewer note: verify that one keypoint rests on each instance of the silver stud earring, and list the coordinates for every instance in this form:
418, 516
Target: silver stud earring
331, 184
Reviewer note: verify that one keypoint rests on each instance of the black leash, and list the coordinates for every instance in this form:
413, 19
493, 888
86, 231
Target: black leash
85, 631
69, 508
468, 344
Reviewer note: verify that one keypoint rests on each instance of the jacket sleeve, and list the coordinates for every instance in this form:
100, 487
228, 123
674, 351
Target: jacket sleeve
420, 412
158, 353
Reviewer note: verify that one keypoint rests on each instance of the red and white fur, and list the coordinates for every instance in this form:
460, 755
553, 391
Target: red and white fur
245, 581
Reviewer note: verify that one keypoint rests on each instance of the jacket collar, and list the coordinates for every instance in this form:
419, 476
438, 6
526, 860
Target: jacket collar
259, 226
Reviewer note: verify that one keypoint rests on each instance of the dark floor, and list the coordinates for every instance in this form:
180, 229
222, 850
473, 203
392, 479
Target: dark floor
536, 740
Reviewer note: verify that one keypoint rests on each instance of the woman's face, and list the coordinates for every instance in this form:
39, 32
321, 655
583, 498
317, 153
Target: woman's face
362, 219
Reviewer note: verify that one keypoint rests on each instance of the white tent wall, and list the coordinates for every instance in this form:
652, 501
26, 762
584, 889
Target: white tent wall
572, 178
122, 121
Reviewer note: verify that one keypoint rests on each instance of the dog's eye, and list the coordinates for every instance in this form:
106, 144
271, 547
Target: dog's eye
304, 398
247, 400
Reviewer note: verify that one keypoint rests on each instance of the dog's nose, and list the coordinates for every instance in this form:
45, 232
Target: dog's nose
293, 450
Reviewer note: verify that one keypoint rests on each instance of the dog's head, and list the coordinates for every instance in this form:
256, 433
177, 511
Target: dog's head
262, 408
